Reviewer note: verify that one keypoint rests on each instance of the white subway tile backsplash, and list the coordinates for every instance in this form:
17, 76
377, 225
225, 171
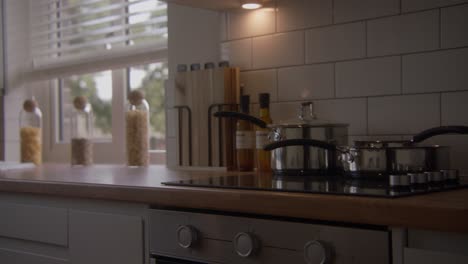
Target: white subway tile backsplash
351, 10
259, 82
238, 53
296, 14
455, 108
403, 114
223, 26
368, 77
374, 64
436, 71
337, 42
401, 34
284, 49
306, 82
350, 111
413, 5
247, 23
454, 26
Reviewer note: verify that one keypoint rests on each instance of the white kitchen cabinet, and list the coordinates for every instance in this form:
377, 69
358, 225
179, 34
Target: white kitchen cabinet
415, 246
19, 257
46, 230
105, 238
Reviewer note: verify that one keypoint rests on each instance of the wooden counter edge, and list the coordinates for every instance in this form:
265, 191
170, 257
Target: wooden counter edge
359, 210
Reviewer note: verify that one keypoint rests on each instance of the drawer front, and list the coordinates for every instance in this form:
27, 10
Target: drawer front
416, 256
280, 241
34, 223
361, 245
17, 257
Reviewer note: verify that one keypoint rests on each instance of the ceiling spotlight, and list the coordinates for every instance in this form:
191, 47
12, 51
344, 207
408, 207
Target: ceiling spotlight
251, 4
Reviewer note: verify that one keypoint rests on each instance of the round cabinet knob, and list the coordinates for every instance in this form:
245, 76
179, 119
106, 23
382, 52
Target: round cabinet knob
315, 252
187, 236
245, 244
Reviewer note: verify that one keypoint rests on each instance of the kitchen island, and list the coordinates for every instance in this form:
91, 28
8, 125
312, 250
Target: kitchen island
81, 198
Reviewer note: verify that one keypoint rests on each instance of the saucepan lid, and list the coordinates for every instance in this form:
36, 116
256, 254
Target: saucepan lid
306, 118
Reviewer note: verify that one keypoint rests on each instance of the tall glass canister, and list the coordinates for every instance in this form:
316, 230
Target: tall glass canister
81, 132
137, 129
31, 132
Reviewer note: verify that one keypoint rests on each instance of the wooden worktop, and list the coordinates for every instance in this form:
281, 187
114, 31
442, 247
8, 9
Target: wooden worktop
444, 211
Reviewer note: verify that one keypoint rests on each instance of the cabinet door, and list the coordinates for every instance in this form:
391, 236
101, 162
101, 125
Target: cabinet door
17, 257
97, 238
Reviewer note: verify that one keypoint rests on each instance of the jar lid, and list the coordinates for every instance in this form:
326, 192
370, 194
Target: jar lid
80, 102
136, 97
29, 105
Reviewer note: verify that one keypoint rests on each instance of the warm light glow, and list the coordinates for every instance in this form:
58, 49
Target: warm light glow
251, 5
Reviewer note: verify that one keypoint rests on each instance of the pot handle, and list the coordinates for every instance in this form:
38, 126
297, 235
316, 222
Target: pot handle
438, 131
242, 116
299, 142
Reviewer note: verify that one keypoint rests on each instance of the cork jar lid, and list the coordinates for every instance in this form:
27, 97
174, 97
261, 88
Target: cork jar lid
80, 102
136, 97
29, 105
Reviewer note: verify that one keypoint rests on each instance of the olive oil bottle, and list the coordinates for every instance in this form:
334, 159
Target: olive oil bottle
263, 157
245, 139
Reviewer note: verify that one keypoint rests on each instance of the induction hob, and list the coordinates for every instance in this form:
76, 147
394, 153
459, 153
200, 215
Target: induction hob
319, 185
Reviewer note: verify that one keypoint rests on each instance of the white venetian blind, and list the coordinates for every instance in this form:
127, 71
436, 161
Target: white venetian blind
87, 35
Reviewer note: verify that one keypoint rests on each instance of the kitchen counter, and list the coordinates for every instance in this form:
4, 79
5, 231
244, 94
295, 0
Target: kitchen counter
444, 211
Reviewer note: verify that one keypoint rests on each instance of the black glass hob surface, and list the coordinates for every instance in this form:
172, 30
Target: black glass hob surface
339, 185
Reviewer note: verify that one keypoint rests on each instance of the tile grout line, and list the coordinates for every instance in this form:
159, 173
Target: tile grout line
371, 96
333, 11
334, 80
440, 109
347, 22
359, 59
367, 115
440, 28
401, 75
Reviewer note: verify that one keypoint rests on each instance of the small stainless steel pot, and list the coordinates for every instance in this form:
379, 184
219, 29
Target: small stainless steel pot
303, 157
370, 158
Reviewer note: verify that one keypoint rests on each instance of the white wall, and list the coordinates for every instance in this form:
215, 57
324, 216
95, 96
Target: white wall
194, 36
17, 54
389, 68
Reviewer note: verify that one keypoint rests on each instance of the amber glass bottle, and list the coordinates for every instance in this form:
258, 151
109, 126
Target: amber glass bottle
261, 134
245, 139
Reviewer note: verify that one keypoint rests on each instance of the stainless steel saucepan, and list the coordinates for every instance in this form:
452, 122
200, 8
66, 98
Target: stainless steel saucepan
298, 159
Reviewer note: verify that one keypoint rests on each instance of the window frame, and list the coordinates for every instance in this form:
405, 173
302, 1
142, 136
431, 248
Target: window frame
111, 150
105, 150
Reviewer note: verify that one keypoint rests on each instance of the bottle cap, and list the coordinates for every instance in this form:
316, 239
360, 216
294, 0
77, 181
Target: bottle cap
264, 99
29, 105
136, 97
223, 64
244, 104
209, 65
195, 67
80, 102
181, 68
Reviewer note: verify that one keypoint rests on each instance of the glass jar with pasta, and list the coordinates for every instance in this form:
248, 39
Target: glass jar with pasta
31, 132
137, 129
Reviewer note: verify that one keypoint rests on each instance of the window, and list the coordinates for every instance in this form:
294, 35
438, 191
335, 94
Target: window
101, 49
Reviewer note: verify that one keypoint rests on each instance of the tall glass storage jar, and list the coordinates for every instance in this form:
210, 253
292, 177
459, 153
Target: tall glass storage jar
81, 132
31, 132
137, 129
